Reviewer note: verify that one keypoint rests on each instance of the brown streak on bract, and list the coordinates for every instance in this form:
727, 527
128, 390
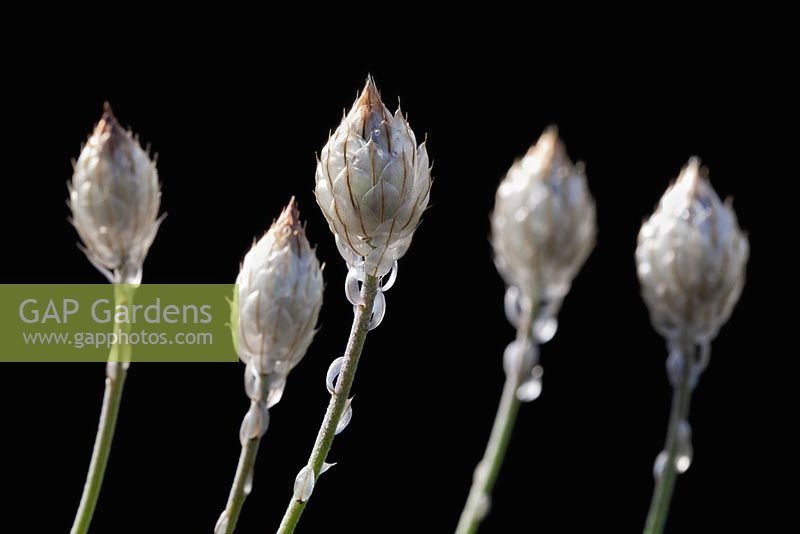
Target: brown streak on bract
333, 191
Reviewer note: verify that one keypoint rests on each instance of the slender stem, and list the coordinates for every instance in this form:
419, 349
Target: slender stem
327, 431
665, 483
116, 370
247, 460
489, 467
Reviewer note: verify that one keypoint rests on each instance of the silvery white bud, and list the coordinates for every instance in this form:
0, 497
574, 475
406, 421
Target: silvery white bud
691, 258
279, 298
373, 183
543, 224
114, 197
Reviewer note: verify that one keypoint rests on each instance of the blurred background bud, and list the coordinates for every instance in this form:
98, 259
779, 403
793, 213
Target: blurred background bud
691, 258
543, 223
114, 197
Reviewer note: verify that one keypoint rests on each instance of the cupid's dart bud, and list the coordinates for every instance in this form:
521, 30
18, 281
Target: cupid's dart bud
279, 299
691, 258
114, 197
543, 223
373, 183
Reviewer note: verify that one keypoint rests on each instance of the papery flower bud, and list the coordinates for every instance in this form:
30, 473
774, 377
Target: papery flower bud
373, 183
543, 224
279, 298
691, 258
114, 197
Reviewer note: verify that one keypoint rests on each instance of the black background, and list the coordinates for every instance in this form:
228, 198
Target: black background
236, 138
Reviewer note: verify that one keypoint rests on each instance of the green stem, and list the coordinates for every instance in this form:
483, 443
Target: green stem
665, 484
489, 467
336, 406
116, 370
247, 460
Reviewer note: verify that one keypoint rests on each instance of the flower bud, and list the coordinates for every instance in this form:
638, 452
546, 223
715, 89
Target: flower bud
691, 258
373, 183
279, 298
543, 224
114, 197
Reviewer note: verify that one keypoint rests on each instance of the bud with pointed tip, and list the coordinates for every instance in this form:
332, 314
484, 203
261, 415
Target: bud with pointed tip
114, 197
279, 298
691, 258
543, 224
373, 183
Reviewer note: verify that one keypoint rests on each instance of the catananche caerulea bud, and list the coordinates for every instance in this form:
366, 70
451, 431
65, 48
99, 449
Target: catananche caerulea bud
543, 223
372, 183
691, 257
278, 302
114, 196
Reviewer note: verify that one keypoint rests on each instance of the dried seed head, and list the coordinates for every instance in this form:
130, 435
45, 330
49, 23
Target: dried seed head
114, 197
279, 298
373, 183
543, 224
691, 258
